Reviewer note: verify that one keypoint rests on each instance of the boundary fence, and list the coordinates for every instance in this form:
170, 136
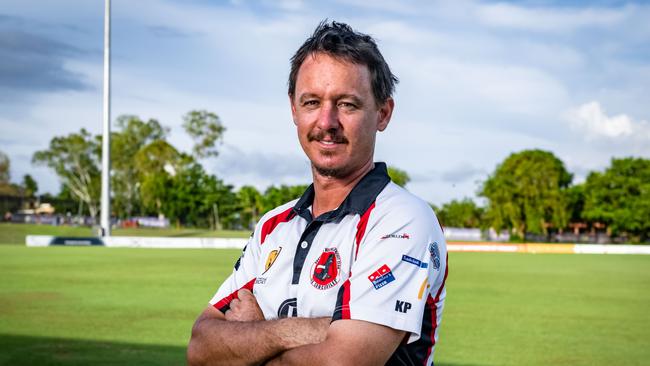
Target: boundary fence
221, 243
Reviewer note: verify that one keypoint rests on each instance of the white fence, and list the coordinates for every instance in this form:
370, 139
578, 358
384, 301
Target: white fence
221, 243
137, 242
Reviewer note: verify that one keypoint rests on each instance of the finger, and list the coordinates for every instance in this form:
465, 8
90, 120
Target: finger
246, 295
234, 303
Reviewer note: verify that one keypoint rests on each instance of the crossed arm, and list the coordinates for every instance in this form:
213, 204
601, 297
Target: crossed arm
243, 337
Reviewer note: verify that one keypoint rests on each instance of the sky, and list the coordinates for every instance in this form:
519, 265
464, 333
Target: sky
479, 80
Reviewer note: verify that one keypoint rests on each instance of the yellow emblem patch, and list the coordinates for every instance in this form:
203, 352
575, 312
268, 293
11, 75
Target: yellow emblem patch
271, 258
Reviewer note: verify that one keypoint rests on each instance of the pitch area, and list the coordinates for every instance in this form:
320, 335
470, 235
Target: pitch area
105, 306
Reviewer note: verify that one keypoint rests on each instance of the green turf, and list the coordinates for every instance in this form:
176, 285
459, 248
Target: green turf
15, 233
105, 306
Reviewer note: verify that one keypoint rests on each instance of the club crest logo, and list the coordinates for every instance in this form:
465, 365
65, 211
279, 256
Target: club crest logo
271, 259
326, 271
435, 255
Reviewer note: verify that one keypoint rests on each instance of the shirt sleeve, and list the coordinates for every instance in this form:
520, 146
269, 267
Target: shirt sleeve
243, 275
400, 263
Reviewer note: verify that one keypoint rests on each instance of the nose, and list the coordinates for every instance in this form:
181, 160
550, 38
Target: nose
328, 117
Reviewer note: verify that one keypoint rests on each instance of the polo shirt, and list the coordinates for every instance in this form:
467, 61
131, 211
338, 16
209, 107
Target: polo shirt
380, 257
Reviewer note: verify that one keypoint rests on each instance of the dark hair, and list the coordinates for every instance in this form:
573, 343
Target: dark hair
339, 40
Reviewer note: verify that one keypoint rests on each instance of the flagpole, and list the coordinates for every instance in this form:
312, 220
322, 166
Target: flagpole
105, 222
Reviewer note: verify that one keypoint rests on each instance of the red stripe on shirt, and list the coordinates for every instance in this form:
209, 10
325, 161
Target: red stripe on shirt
361, 228
226, 300
434, 309
274, 221
345, 305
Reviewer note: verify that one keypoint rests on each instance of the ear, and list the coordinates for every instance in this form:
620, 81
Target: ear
293, 110
385, 113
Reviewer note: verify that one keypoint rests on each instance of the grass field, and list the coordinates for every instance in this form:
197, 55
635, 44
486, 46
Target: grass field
106, 306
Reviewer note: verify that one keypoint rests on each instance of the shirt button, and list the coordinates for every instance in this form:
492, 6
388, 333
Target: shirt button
304, 245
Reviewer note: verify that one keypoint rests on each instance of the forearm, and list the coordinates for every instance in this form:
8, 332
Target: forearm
220, 342
307, 354
348, 342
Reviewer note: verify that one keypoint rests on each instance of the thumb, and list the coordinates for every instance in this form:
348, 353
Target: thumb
245, 295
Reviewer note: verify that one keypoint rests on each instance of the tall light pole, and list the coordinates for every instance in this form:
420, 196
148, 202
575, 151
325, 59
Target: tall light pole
105, 220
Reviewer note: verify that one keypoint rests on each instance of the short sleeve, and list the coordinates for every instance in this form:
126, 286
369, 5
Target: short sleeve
400, 261
243, 275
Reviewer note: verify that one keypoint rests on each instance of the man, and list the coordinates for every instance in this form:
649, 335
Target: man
354, 271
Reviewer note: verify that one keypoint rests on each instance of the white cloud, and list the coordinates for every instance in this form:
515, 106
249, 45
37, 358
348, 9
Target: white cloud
393, 7
462, 172
553, 20
592, 120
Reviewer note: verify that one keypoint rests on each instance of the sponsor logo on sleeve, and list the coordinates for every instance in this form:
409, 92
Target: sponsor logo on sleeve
435, 255
397, 236
326, 271
417, 262
423, 287
273, 255
381, 277
402, 306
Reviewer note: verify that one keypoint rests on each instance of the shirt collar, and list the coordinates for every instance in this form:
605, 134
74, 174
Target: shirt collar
357, 201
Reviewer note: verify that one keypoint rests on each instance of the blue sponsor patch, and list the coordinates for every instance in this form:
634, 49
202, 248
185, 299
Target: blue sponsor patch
435, 255
412, 260
381, 277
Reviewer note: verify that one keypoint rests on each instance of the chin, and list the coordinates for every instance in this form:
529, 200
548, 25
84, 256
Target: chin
332, 170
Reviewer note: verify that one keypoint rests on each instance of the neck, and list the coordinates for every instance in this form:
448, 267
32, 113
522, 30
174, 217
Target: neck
330, 192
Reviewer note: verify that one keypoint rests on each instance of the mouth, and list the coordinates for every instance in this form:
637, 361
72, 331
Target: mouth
327, 138
328, 142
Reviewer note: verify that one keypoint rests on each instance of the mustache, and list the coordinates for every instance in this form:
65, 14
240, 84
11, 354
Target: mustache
334, 136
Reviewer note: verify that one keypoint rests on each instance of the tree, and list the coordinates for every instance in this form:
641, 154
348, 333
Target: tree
5, 168
276, 196
526, 192
205, 129
460, 213
575, 196
29, 185
620, 197
134, 135
193, 197
75, 159
251, 205
398, 176
157, 163
6, 188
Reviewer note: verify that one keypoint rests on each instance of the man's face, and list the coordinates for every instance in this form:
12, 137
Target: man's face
336, 115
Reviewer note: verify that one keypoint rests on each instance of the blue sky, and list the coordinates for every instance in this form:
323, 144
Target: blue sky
478, 81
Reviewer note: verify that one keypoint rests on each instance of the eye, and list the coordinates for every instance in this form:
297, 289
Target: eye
310, 103
347, 105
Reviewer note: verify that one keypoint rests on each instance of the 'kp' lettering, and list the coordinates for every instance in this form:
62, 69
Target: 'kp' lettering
402, 306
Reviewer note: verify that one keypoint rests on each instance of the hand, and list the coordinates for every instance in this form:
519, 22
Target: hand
244, 308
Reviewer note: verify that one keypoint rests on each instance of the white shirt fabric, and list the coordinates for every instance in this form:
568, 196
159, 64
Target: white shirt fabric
380, 257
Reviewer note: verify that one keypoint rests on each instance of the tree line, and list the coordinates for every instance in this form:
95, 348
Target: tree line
151, 177
531, 191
